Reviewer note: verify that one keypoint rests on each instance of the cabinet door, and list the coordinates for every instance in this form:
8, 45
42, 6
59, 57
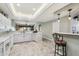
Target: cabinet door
1, 49
5, 23
11, 38
7, 46
28, 36
2, 25
18, 38
38, 37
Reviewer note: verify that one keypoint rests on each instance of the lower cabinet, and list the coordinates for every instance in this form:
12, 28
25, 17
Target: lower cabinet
28, 36
5, 47
1, 49
21, 37
37, 36
18, 38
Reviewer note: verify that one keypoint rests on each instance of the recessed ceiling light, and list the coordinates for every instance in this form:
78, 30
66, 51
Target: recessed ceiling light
18, 4
34, 9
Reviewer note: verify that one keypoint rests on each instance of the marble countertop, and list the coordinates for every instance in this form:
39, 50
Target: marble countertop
72, 34
5, 36
27, 32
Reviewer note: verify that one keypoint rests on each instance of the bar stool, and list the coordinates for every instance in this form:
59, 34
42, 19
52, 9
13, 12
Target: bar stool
60, 45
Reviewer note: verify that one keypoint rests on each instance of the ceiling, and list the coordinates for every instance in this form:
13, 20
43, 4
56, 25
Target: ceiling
27, 8
27, 11
37, 12
49, 14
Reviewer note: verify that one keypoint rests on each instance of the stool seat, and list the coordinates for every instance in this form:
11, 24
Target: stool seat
60, 45
60, 42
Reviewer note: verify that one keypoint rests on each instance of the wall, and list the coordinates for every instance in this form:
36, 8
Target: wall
46, 29
49, 27
65, 25
56, 27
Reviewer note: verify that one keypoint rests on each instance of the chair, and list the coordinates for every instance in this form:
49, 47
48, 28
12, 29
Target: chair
60, 45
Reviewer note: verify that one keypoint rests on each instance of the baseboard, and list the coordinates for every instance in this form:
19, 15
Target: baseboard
48, 37
24, 42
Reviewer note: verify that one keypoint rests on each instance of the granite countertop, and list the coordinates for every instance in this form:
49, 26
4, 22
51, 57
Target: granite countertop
5, 36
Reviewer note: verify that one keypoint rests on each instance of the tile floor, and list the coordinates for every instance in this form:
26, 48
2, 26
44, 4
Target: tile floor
44, 48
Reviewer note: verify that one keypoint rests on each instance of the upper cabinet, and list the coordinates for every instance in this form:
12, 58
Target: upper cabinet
5, 23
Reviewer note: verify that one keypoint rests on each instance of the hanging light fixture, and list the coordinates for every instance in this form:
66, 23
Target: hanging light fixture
69, 16
58, 17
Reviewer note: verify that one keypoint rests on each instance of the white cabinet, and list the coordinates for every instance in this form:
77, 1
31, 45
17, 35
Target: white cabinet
18, 37
11, 41
6, 43
27, 36
21, 37
5, 23
7, 46
37, 36
1, 49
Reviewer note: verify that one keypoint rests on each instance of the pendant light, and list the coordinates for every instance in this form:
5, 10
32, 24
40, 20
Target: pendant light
69, 16
58, 17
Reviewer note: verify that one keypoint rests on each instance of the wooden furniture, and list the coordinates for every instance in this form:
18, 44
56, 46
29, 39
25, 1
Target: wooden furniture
60, 45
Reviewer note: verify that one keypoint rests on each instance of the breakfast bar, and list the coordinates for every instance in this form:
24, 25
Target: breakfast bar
72, 40
8, 39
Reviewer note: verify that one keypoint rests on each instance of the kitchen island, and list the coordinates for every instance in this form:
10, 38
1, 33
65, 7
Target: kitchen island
8, 39
27, 36
6, 43
72, 43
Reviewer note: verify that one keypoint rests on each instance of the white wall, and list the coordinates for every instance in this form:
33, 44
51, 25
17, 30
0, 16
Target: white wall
5, 23
46, 29
49, 28
65, 25
56, 27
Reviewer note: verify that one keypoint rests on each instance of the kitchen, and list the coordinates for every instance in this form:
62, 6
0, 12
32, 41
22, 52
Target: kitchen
33, 27
9, 35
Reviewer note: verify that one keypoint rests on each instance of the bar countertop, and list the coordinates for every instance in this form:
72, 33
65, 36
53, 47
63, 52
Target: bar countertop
72, 43
70, 34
